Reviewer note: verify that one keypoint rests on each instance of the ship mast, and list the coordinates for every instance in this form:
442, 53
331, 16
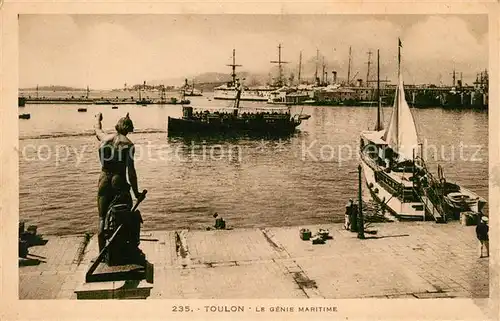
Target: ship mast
280, 69
349, 68
323, 72
398, 93
300, 65
399, 56
233, 65
368, 69
316, 71
379, 125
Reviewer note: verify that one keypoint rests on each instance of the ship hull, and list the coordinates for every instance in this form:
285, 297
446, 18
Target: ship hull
249, 95
177, 126
248, 98
390, 203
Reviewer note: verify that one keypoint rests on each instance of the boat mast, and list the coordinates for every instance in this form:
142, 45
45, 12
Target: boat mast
316, 72
300, 65
323, 72
368, 69
400, 87
349, 68
280, 69
379, 125
233, 65
399, 56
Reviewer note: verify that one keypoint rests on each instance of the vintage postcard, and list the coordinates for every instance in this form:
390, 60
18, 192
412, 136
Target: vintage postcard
292, 161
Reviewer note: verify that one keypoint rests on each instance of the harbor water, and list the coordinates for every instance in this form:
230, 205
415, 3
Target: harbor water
304, 179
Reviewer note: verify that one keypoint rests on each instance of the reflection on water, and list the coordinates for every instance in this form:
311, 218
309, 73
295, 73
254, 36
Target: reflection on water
303, 179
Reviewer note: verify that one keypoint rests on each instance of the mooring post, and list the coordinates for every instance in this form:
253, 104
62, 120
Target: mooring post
361, 226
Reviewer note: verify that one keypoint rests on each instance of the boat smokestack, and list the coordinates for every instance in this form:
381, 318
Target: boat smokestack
334, 77
360, 82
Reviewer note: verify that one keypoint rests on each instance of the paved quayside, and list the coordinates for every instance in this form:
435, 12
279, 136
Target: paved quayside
403, 260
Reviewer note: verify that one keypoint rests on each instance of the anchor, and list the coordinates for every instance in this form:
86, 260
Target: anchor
121, 259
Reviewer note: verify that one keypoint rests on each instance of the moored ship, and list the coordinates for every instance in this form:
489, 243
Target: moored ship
228, 91
387, 159
398, 179
234, 121
190, 91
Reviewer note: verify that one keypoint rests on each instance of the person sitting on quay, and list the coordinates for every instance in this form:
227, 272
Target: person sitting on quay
482, 230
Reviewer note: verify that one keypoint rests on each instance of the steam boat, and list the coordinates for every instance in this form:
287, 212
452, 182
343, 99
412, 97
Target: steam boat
228, 91
234, 121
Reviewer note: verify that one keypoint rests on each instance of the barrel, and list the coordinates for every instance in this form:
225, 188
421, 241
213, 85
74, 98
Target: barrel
468, 218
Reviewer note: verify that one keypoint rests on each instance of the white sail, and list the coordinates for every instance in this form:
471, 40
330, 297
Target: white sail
401, 134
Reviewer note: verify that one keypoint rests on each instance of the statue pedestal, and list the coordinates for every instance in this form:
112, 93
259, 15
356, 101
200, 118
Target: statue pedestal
105, 273
129, 281
129, 289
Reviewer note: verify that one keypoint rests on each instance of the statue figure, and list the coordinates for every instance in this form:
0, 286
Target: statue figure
116, 154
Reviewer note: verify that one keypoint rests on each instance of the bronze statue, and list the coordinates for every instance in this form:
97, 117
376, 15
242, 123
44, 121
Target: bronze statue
116, 154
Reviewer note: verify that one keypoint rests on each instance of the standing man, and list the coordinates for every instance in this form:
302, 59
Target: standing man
482, 230
116, 154
348, 214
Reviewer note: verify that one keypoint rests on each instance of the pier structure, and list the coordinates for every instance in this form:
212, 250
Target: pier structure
402, 260
419, 96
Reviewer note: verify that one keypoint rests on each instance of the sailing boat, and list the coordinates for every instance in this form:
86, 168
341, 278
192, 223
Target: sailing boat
398, 178
388, 157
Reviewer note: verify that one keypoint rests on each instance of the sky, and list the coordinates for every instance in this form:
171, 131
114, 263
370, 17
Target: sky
106, 51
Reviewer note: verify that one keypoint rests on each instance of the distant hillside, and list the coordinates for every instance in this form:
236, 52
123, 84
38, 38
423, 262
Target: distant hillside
210, 80
204, 78
54, 88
